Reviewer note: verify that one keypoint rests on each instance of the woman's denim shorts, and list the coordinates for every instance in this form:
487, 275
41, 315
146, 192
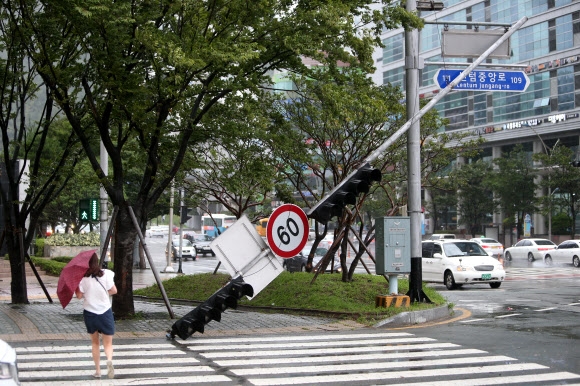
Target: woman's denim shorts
103, 323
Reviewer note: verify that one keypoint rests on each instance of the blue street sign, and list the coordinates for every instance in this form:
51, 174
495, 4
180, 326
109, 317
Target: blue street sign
485, 80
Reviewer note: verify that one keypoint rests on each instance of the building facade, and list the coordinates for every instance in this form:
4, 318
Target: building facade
548, 44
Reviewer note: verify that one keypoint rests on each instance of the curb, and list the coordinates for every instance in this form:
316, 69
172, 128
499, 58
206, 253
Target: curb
406, 319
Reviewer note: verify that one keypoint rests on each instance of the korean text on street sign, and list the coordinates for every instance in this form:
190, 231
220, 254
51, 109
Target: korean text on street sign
484, 80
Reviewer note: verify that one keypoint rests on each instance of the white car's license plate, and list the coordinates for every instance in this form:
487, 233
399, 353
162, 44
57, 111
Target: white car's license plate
486, 276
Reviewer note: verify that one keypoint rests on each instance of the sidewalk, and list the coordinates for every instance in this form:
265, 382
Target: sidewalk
42, 320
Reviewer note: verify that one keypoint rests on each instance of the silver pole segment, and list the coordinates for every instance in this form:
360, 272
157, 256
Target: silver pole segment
393, 138
381, 149
169, 267
104, 225
412, 66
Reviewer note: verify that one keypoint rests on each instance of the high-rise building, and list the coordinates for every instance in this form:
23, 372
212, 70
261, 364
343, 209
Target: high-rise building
548, 44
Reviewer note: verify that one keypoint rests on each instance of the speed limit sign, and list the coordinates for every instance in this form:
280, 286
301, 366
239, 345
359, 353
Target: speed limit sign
287, 230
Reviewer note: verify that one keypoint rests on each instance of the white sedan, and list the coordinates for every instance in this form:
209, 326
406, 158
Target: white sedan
567, 252
493, 247
458, 262
531, 249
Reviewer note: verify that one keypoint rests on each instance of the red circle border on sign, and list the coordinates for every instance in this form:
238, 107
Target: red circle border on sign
269, 230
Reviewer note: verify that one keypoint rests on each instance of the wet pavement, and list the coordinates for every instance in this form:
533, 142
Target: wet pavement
42, 320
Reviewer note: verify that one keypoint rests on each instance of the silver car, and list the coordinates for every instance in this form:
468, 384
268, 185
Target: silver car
8, 365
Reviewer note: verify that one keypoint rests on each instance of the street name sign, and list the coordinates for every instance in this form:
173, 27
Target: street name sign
484, 80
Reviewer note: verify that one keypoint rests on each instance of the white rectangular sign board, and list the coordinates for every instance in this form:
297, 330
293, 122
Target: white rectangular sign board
457, 43
243, 252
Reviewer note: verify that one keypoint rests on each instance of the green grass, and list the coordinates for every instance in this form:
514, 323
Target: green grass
294, 293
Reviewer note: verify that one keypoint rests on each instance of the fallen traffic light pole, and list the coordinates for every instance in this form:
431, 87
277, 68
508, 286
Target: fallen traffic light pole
224, 298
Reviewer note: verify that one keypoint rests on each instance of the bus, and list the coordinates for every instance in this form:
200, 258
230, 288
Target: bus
262, 225
216, 224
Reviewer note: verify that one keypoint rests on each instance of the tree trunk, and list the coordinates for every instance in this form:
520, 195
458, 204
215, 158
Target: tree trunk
18, 290
125, 235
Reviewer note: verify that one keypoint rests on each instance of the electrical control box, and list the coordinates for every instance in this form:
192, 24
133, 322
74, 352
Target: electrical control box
393, 245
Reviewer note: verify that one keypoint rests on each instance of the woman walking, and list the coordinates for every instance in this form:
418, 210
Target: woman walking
95, 288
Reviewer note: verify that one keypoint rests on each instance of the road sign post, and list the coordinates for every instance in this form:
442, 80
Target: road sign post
287, 231
484, 80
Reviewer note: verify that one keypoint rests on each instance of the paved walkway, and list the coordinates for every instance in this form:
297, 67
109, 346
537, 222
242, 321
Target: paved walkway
42, 320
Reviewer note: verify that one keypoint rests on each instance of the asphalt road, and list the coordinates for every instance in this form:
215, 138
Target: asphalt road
534, 316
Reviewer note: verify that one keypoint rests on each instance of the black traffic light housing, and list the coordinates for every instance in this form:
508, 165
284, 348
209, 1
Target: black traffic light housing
185, 214
576, 164
226, 297
345, 194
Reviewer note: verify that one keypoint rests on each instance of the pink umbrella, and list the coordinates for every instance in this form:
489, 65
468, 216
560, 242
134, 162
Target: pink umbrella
71, 275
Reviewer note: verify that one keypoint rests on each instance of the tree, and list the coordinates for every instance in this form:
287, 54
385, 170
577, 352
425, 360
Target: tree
37, 152
513, 182
235, 167
142, 78
559, 175
341, 118
475, 199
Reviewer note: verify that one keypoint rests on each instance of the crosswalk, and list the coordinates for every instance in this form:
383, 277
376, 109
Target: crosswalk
363, 357
542, 273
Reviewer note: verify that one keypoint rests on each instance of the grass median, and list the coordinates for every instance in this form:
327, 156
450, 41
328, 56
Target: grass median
295, 293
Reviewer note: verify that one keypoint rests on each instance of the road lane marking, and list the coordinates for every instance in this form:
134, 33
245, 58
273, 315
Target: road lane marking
506, 316
546, 309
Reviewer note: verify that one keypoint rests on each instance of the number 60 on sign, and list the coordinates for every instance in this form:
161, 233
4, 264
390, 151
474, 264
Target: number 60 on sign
287, 230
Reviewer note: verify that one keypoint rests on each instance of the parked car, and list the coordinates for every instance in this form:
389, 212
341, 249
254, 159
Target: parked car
531, 249
8, 362
493, 247
157, 231
201, 242
442, 236
567, 252
187, 250
458, 262
298, 263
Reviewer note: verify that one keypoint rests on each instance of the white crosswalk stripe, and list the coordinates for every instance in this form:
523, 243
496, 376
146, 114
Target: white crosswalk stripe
331, 358
541, 273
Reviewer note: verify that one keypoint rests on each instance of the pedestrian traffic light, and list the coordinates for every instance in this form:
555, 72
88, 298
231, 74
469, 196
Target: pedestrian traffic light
345, 194
88, 210
226, 297
576, 164
185, 214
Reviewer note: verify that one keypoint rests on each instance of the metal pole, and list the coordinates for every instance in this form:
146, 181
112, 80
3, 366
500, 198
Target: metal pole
169, 267
104, 160
146, 249
179, 270
393, 138
412, 66
396, 135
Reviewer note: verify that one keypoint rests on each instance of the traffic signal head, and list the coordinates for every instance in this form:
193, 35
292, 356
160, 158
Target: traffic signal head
185, 214
576, 164
226, 297
345, 194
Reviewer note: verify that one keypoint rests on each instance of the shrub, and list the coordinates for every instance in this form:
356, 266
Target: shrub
39, 247
51, 267
74, 240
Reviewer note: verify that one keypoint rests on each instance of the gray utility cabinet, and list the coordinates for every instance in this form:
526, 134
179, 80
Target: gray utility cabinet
393, 245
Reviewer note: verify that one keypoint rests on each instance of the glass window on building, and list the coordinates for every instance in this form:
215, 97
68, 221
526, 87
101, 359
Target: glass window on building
394, 48
532, 102
454, 107
396, 77
480, 109
505, 11
560, 33
565, 88
530, 42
